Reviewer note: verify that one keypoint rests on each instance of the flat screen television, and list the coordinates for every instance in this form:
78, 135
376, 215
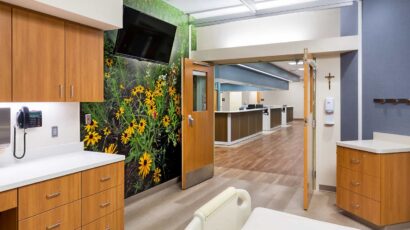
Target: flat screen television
144, 37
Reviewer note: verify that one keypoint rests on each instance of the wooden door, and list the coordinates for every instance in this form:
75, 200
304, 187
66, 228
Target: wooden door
309, 130
84, 63
5, 53
38, 57
197, 123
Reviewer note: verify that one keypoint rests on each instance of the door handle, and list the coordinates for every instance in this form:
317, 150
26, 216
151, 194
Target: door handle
190, 120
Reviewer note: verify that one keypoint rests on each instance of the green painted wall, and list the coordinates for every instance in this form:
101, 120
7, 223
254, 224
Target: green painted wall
141, 115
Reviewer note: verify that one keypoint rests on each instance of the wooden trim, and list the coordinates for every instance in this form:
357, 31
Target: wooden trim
8, 200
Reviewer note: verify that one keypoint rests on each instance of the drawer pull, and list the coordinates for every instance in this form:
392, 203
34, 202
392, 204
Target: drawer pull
53, 195
354, 161
104, 205
107, 227
104, 179
355, 206
355, 183
53, 226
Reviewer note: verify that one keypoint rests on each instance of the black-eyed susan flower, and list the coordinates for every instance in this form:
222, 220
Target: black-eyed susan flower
158, 92
136, 90
125, 137
119, 113
165, 121
131, 128
160, 83
92, 126
152, 110
109, 62
145, 165
178, 110
128, 100
149, 99
107, 131
157, 175
172, 91
91, 138
141, 126
177, 99
122, 86
111, 149
107, 75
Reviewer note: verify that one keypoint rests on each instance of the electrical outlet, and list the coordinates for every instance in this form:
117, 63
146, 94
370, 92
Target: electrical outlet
88, 119
54, 131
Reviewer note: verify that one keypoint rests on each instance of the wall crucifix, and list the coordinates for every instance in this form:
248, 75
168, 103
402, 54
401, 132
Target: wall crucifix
329, 78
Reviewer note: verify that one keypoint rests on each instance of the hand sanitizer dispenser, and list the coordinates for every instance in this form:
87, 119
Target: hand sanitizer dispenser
329, 110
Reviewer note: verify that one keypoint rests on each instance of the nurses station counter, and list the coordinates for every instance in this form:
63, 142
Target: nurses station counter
234, 126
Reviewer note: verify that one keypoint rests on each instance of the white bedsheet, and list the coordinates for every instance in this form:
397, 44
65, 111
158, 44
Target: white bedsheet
268, 219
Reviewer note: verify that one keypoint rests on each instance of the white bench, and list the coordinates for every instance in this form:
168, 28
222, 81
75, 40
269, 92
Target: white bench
231, 210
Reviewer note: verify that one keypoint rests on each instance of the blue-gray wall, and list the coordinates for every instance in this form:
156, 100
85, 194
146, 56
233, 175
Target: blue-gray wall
386, 57
349, 65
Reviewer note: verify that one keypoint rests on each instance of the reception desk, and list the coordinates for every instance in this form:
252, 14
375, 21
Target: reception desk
234, 126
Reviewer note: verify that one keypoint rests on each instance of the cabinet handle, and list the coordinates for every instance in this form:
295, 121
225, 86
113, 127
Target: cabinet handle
53, 195
103, 179
53, 226
107, 227
104, 205
61, 90
355, 206
355, 161
355, 183
71, 91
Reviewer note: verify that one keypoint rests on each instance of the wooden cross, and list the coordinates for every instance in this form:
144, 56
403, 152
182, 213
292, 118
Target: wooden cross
329, 78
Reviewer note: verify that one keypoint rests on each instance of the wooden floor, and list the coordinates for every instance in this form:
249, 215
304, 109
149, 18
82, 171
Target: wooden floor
280, 152
272, 176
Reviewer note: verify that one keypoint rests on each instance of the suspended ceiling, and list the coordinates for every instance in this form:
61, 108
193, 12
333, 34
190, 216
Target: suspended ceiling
209, 12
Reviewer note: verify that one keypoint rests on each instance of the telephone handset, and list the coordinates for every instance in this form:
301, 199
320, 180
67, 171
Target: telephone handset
26, 119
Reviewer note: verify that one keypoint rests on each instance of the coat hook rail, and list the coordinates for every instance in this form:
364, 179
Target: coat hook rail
392, 101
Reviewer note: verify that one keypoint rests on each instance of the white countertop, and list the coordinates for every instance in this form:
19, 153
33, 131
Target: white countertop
376, 146
41, 169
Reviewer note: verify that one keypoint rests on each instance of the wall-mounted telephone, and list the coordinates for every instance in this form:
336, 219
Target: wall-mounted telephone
29, 119
26, 119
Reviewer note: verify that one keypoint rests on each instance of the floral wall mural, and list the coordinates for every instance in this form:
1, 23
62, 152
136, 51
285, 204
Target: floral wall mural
141, 115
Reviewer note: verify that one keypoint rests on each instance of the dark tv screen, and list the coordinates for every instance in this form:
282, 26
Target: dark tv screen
144, 37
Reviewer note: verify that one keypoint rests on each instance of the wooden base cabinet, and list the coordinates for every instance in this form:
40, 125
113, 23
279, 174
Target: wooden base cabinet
92, 199
374, 187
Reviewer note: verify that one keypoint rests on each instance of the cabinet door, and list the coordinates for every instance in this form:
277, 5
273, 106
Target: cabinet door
5, 53
38, 57
84, 63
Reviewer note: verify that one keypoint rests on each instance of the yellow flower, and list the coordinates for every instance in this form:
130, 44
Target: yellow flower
122, 86
178, 110
152, 110
125, 137
149, 100
172, 91
157, 175
128, 100
141, 126
177, 99
160, 83
92, 126
92, 138
119, 113
148, 93
109, 62
137, 89
112, 149
179, 136
145, 165
107, 75
107, 131
165, 121
131, 129
158, 92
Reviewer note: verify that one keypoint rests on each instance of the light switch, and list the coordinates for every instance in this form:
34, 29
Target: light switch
54, 131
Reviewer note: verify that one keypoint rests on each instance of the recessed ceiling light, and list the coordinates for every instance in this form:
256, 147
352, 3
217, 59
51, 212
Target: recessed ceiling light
279, 3
221, 12
294, 62
301, 69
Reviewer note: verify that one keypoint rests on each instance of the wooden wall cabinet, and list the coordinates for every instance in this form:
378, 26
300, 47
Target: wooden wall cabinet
5, 53
84, 63
46, 59
374, 187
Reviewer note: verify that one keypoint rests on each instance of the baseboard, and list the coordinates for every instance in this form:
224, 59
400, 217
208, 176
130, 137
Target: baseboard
151, 191
328, 188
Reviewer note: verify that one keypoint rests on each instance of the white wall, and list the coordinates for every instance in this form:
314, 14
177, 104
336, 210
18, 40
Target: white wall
292, 97
64, 115
235, 100
102, 14
249, 97
326, 136
275, 29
